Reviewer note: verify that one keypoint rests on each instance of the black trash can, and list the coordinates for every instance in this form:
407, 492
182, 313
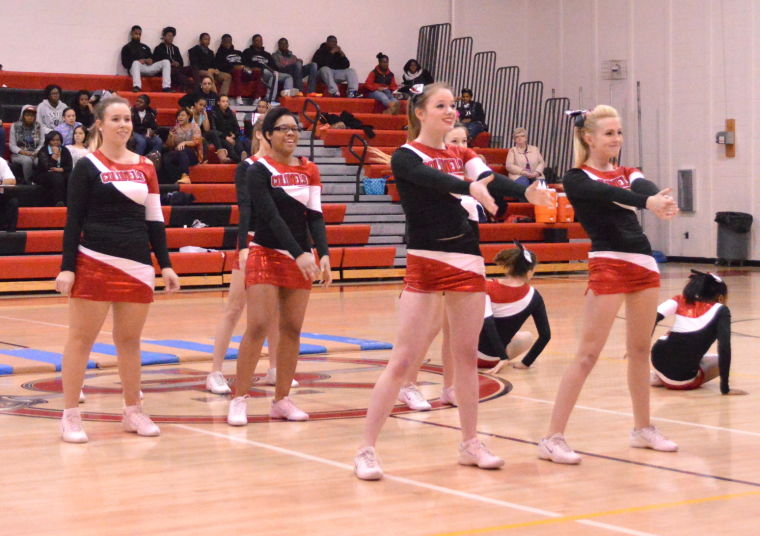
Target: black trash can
733, 236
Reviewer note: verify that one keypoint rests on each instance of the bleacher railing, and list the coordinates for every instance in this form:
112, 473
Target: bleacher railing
507, 102
361, 158
314, 123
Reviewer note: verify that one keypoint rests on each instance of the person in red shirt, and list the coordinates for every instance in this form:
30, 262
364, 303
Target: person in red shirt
381, 85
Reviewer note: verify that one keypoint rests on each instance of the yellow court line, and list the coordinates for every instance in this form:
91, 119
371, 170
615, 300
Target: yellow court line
581, 517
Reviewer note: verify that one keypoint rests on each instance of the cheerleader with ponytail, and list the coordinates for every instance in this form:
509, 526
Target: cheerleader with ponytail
510, 301
679, 358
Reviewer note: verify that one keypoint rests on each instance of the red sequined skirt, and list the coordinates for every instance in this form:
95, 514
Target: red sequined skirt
267, 266
106, 278
611, 272
435, 271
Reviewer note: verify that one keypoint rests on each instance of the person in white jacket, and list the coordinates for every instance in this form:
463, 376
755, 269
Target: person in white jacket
25, 140
50, 110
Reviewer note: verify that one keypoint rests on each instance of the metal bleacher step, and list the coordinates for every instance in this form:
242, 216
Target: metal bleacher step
374, 218
320, 152
386, 240
343, 198
336, 169
339, 178
373, 208
385, 229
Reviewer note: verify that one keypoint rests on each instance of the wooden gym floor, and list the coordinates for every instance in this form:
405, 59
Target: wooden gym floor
202, 476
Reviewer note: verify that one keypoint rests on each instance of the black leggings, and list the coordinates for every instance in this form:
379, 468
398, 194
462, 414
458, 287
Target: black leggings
55, 182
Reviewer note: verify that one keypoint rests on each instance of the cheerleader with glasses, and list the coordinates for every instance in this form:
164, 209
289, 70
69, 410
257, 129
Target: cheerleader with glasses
679, 358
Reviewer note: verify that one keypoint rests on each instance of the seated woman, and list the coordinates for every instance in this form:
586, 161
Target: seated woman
50, 110
413, 74
381, 85
680, 357
225, 124
206, 90
25, 139
200, 116
66, 128
471, 115
83, 108
54, 167
145, 129
79, 148
510, 301
524, 162
182, 149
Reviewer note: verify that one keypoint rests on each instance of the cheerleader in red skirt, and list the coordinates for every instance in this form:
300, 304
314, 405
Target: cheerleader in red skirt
280, 267
621, 269
114, 218
444, 265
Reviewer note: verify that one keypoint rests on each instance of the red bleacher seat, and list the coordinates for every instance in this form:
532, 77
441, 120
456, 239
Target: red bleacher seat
348, 234
368, 257
206, 237
157, 100
566, 251
73, 82
482, 140
533, 232
383, 138
211, 193
205, 173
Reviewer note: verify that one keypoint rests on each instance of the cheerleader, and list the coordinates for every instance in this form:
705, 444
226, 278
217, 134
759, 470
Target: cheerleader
114, 218
280, 266
444, 265
510, 301
679, 358
621, 269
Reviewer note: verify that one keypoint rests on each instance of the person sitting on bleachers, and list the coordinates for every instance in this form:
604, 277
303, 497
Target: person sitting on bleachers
50, 110
471, 115
79, 148
26, 139
137, 59
8, 202
413, 74
167, 50
255, 57
230, 60
249, 119
199, 115
334, 67
524, 162
54, 167
2, 132
381, 85
205, 90
202, 64
225, 125
83, 108
183, 147
67, 126
287, 62
145, 129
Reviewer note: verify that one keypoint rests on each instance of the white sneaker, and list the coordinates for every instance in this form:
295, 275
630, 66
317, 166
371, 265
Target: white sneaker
367, 465
475, 452
412, 397
651, 438
71, 426
448, 396
217, 383
237, 414
556, 449
270, 378
135, 421
82, 397
286, 409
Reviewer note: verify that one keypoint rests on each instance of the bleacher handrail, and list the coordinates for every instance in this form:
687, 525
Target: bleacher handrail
314, 123
361, 158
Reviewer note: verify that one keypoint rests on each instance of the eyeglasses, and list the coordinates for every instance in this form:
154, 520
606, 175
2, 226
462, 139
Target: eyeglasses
285, 129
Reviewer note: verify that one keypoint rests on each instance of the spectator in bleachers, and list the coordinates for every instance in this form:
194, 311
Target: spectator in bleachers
334, 67
250, 119
8, 202
225, 124
199, 115
202, 64
26, 138
50, 110
255, 57
83, 108
78, 148
2, 132
471, 115
230, 60
413, 74
524, 162
137, 59
145, 129
167, 50
287, 62
381, 85
67, 126
205, 90
184, 144
54, 167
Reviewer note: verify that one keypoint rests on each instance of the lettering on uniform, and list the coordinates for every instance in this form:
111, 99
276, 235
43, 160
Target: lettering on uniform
289, 179
447, 165
621, 181
132, 175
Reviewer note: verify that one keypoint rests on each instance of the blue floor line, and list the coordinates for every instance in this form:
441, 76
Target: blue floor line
364, 344
147, 358
5, 369
189, 345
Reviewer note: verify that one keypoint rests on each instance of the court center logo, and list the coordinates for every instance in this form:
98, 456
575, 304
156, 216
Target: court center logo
187, 401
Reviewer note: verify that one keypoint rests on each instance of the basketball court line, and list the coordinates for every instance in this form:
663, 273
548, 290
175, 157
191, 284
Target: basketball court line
416, 483
629, 510
591, 454
42, 323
